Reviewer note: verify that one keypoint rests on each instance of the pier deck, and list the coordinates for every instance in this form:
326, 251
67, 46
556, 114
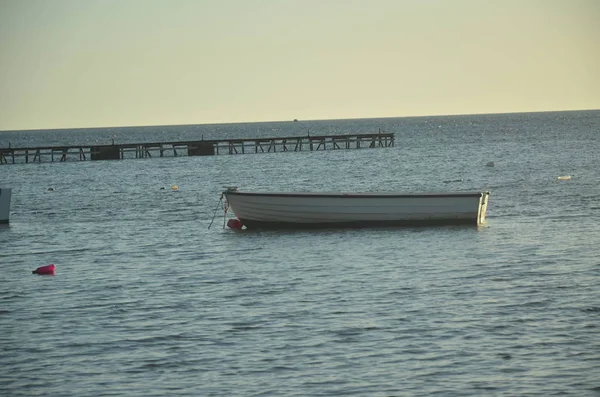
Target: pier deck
14, 155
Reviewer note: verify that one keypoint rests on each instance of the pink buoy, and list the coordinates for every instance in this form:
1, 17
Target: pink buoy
45, 270
235, 224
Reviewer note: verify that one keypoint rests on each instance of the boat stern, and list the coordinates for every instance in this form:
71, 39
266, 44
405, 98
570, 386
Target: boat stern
483, 202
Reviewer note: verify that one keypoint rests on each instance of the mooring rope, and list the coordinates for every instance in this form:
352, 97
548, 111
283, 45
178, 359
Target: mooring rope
215, 212
225, 209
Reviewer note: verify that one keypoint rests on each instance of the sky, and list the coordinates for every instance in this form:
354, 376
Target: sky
104, 63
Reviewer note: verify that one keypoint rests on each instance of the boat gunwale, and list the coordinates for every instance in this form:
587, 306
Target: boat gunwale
362, 195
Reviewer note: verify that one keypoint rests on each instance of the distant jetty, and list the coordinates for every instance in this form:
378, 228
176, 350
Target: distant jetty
14, 155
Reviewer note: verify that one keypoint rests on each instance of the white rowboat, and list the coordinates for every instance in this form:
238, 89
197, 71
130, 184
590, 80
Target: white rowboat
257, 210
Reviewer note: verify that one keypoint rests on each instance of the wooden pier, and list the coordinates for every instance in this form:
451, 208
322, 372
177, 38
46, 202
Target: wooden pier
14, 155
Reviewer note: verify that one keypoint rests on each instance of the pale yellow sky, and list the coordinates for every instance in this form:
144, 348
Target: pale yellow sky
98, 63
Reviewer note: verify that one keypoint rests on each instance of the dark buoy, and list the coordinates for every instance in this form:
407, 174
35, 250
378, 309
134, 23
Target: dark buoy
234, 224
45, 270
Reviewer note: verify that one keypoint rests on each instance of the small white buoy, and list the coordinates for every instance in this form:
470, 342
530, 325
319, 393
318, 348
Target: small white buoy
564, 178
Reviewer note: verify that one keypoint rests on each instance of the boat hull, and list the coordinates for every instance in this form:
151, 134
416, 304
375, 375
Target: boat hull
5, 194
356, 210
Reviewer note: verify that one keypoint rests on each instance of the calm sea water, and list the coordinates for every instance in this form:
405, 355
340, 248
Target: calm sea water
148, 301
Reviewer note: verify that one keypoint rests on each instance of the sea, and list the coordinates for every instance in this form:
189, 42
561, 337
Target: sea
154, 297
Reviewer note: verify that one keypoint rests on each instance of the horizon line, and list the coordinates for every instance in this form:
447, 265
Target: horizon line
293, 120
